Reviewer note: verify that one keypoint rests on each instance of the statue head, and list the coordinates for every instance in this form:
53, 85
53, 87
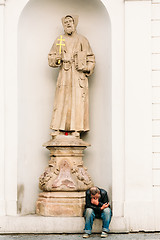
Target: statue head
70, 23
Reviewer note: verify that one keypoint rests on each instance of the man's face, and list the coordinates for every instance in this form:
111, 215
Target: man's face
96, 196
69, 27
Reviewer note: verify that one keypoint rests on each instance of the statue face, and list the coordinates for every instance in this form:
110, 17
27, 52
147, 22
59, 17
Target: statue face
69, 27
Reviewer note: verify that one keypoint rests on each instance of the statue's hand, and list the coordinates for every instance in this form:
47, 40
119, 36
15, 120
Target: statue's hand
86, 70
58, 61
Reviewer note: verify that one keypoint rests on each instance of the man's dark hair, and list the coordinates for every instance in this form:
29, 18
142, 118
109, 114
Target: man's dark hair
94, 190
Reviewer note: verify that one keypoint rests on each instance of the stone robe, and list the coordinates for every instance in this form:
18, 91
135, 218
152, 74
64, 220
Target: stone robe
71, 103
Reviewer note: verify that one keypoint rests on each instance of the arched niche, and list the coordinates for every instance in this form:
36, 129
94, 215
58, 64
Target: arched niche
39, 25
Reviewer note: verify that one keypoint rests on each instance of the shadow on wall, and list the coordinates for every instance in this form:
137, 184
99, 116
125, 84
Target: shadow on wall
39, 25
20, 196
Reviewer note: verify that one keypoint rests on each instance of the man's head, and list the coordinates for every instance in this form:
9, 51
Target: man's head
69, 24
95, 193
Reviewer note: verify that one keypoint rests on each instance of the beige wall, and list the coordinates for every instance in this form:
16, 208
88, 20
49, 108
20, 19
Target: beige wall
39, 25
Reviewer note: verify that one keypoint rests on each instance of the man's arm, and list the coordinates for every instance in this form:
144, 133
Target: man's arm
105, 205
104, 200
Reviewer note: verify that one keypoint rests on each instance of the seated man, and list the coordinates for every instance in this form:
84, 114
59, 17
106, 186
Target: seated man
97, 206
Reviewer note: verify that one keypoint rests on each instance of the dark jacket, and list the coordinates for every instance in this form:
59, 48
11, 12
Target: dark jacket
103, 199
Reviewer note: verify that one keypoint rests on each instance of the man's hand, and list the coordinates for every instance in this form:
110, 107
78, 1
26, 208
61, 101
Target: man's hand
94, 201
105, 205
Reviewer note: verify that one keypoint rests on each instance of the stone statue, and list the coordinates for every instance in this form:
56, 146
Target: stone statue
65, 180
72, 53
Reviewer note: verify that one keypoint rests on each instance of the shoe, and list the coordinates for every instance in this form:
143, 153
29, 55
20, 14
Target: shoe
86, 235
104, 235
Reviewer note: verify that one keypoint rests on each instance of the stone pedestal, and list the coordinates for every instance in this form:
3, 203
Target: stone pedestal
65, 180
61, 204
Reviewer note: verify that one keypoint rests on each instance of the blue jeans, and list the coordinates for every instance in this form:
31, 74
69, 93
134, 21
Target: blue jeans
90, 216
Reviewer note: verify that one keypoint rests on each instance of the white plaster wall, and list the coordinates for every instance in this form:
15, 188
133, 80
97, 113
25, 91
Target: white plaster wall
2, 177
39, 25
155, 50
139, 205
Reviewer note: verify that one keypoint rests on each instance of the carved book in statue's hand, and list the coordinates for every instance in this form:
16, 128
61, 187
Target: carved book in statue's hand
80, 60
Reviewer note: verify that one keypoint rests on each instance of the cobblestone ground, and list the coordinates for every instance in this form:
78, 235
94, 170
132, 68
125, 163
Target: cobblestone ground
127, 236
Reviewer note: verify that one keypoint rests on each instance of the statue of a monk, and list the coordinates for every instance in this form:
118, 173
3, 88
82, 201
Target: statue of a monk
72, 53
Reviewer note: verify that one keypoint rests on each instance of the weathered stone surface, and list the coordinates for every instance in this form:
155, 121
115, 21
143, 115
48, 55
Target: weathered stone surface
66, 171
61, 204
72, 54
71, 139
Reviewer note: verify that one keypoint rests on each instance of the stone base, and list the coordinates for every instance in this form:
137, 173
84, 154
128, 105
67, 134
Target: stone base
65, 172
69, 204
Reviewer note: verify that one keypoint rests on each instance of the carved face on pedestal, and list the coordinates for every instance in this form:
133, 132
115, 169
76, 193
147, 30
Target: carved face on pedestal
69, 26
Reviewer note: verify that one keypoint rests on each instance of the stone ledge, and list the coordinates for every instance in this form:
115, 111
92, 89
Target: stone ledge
39, 224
